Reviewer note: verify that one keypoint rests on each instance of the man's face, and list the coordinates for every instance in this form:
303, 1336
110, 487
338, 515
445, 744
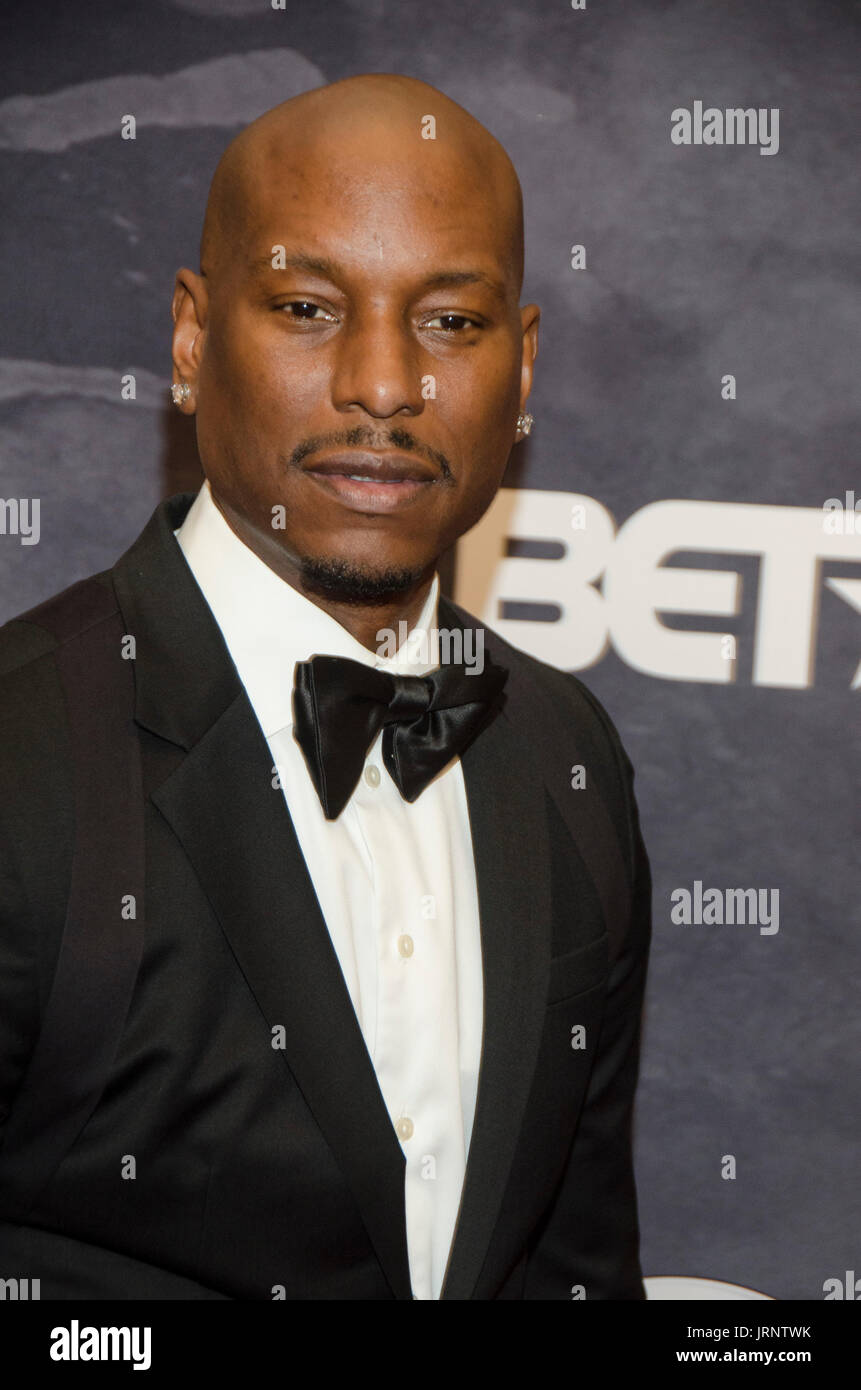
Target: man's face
385, 341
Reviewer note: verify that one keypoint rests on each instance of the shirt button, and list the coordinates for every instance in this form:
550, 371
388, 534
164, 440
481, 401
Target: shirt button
406, 946
404, 1127
372, 775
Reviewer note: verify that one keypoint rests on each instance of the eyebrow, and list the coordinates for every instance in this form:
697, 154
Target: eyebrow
327, 270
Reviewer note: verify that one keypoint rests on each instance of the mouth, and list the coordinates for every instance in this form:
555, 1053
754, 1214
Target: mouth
375, 483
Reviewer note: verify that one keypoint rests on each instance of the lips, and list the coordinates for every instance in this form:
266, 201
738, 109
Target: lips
380, 468
372, 483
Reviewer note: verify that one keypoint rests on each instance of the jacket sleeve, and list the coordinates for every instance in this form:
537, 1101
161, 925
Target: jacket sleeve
588, 1246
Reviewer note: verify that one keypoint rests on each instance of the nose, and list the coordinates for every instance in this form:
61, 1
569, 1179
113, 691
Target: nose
377, 368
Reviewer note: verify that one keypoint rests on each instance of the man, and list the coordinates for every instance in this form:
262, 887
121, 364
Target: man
366, 1022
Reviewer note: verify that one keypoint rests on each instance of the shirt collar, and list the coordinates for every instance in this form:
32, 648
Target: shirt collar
268, 625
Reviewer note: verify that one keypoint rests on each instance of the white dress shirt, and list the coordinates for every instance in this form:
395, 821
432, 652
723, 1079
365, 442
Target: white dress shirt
395, 880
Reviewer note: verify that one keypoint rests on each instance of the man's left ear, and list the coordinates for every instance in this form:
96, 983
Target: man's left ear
188, 310
529, 317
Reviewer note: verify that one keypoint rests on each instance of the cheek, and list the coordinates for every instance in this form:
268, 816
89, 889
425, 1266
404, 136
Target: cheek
239, 391
484, 396
482, 422
484, 483
233, 382
480, 409
260, 386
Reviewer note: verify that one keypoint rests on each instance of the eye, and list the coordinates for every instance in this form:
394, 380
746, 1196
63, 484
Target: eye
306, 310
453, 323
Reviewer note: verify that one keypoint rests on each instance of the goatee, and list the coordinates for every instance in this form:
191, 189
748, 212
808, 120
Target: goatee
343, 582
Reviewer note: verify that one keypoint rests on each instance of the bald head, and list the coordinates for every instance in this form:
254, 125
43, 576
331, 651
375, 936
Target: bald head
375, 125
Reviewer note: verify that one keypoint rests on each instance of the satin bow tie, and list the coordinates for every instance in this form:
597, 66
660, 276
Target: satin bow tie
340, 705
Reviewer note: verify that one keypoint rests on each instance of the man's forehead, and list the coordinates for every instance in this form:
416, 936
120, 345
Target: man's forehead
402, 178
469, 272
369, 221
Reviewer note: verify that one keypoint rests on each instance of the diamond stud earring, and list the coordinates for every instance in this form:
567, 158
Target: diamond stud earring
180, 391
525, 422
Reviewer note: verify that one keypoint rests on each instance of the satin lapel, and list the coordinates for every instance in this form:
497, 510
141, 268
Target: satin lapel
237, 832
507, 811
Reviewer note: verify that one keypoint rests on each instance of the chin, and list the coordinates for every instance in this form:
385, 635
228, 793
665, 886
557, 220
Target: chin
357, 581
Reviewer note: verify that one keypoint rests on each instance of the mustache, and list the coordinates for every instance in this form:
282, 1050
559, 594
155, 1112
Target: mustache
363, 437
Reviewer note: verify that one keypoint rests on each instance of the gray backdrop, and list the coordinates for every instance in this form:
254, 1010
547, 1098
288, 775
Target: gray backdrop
701, 261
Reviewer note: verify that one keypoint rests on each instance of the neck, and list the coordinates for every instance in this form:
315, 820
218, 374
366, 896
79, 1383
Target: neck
365, 621
362, 620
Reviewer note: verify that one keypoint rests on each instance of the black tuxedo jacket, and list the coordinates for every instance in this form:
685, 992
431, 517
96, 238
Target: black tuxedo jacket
261, 1171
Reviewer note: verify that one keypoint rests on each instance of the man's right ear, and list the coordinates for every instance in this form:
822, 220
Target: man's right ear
188, 310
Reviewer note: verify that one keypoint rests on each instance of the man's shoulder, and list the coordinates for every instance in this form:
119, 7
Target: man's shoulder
33, 698
29, 636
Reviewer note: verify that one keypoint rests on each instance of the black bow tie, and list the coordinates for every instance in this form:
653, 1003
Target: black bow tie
339, 707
